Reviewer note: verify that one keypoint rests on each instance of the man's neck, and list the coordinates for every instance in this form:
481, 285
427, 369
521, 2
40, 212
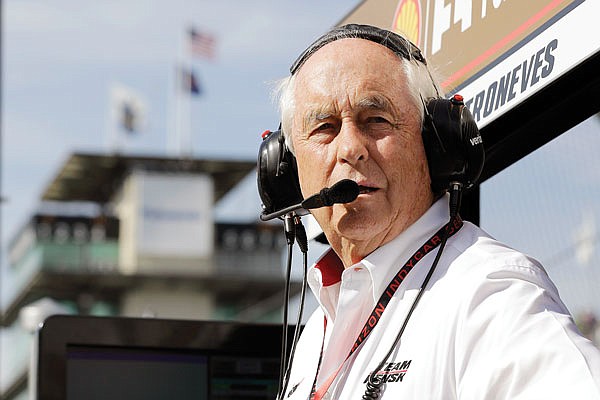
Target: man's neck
352, 251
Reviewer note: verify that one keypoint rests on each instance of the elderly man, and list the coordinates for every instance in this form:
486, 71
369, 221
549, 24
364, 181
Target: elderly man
486, 323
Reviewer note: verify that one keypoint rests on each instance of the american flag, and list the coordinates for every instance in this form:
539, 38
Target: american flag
201, 44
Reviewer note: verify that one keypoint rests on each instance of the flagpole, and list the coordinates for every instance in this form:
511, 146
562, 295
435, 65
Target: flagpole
172, 109
111, 132
187, 149
183, 99
178, 110
175, 134
112, 123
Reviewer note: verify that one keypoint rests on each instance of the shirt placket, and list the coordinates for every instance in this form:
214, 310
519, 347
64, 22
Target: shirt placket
353, 307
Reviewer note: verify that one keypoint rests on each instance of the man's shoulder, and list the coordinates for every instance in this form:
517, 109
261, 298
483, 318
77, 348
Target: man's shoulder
479, 255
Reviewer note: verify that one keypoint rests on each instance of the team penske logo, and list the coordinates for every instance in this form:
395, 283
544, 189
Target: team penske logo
392, 372
407, 20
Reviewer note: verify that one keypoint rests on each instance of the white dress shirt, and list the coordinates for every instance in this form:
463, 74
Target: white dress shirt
490, 325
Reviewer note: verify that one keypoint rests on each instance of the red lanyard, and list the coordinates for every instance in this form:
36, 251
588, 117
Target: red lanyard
434, 241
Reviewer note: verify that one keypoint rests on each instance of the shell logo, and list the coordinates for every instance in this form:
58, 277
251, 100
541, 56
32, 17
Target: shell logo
407, 20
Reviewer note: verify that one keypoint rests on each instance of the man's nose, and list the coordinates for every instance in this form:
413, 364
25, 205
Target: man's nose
352, 144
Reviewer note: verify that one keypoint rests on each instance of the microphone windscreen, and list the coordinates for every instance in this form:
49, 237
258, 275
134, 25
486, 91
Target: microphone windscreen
344, 191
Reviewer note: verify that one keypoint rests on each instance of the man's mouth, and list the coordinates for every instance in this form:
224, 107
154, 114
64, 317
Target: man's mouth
365, 189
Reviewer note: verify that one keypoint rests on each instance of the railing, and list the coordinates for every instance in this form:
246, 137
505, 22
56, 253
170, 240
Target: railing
79, 257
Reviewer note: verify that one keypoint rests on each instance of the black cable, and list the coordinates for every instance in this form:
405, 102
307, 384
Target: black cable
300, 309
290, 233
455, 198
303, 244
301, 237
284, 333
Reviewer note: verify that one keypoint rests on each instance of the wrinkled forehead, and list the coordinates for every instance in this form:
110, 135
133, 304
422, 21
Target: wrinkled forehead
396, 43
347, 70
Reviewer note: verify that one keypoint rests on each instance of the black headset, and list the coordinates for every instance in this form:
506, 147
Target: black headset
451, 138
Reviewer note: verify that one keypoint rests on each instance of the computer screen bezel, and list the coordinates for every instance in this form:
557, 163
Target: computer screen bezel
59, 332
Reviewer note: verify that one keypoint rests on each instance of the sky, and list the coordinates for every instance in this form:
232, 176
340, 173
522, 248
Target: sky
60, 59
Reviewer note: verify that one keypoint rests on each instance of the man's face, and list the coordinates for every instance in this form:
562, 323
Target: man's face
354, 119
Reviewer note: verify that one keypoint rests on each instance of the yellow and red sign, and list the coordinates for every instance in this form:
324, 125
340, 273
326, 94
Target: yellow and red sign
407, 20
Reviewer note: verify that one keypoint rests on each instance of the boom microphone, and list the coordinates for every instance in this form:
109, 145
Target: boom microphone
344, 191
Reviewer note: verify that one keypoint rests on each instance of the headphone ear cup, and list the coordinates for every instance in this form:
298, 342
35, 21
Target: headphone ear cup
452, 143
472, 146
277, 174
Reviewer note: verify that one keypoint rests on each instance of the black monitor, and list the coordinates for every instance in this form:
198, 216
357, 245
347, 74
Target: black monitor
115, 358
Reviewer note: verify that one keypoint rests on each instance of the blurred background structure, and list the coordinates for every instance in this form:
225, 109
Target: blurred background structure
129, 139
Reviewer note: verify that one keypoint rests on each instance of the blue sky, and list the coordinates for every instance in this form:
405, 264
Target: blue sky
60, 59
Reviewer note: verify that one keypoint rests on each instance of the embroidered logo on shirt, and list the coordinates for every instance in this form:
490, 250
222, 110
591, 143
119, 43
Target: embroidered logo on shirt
392, 372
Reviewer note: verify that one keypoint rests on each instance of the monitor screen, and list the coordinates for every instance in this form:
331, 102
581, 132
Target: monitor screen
128, 358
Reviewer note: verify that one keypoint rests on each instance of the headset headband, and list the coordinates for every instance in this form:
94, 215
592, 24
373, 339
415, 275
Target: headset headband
396, 43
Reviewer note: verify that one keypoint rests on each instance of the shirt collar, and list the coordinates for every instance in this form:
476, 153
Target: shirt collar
385, 261
331, 268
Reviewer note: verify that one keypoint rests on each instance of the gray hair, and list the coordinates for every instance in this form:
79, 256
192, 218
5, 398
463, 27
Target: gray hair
421, 84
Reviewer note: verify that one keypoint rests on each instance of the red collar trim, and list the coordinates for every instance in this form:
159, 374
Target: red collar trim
331, 268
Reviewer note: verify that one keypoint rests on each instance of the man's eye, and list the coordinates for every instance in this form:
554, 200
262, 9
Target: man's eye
324, 132
377, 120
324, 127
377, 125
